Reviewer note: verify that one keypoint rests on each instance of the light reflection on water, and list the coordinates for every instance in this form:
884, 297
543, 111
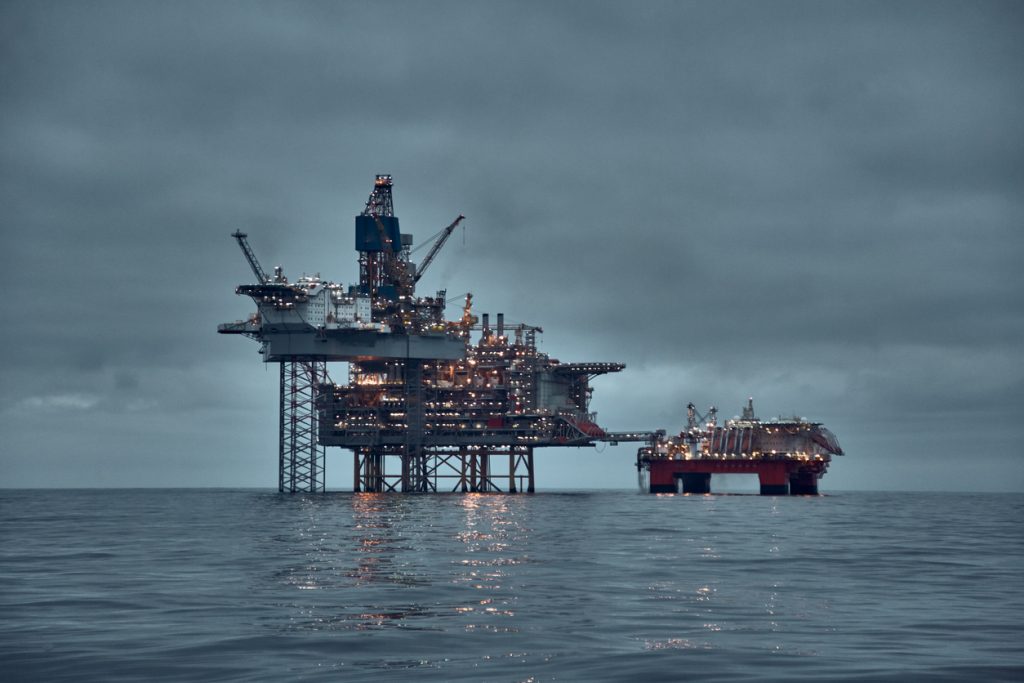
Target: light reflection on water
384, 542
605, 586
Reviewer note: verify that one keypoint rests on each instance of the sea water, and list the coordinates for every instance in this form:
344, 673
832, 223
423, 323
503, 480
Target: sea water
130, 585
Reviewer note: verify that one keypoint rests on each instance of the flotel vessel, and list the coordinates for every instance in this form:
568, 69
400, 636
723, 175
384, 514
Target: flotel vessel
789, 455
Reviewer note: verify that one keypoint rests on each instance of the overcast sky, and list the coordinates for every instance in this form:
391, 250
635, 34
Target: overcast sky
820, 205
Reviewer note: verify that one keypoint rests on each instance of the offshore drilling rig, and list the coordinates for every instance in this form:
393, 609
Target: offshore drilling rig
431, 404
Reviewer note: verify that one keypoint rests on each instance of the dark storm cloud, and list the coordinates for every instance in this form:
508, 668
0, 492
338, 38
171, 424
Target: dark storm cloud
816, 203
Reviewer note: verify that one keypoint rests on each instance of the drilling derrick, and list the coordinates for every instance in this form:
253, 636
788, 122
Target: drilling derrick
426, 407
379, 243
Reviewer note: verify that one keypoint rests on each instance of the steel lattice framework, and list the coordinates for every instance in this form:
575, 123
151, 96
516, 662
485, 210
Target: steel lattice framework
301, 465
473, 469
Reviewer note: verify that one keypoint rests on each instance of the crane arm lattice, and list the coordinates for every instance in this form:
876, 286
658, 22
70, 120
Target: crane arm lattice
257, 269
437, 247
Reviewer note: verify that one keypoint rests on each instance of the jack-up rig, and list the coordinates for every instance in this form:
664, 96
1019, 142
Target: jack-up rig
430, 404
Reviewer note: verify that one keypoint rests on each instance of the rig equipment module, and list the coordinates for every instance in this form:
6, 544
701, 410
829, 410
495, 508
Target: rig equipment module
430, 404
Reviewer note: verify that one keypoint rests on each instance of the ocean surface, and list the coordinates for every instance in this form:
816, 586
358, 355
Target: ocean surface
245, 585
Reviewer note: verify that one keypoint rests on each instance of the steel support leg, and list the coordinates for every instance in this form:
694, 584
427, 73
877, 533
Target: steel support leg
463, 482
473, 483
414, 461
803, 484
300, 455
774, 479
369, 471
696, 482
520, 460
513, 458
356, 473
529, 470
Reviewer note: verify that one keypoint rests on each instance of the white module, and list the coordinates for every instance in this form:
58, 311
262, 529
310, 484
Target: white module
319, 305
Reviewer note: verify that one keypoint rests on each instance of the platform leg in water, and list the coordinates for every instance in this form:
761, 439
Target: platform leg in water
803, 484
696, 482
774, 479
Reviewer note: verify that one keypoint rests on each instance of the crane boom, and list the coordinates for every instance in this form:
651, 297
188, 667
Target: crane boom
250, 257
436, 248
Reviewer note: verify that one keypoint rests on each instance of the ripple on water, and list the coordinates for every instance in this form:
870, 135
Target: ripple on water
242, 585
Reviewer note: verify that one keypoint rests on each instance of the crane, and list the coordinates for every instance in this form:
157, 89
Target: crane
436, 248
468, 320
257, 270
695, 419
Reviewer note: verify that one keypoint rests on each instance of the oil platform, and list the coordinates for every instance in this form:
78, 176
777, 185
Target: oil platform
430, 404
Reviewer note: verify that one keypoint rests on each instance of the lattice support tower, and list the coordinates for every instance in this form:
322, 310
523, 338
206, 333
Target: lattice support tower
301, 457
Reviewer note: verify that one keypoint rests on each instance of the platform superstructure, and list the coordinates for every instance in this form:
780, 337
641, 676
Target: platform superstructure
430, 404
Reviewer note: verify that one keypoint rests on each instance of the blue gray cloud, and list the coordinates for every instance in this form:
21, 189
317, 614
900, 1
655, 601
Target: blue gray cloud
818, 204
